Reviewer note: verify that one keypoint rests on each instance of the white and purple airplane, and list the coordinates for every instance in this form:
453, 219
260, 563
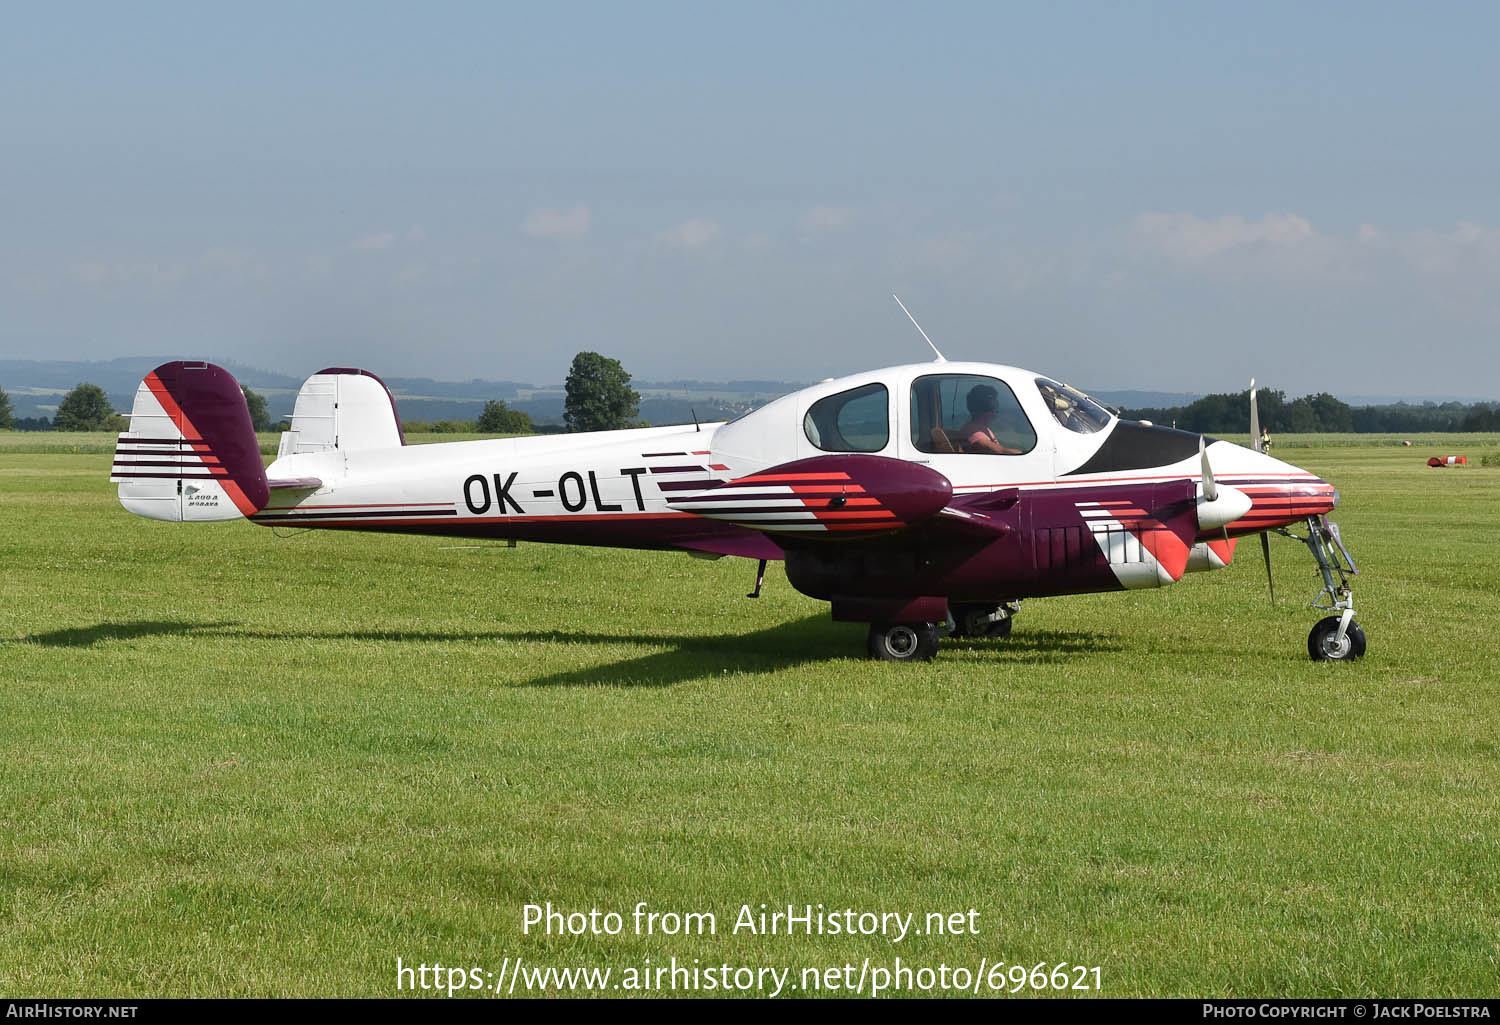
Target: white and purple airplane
925, 499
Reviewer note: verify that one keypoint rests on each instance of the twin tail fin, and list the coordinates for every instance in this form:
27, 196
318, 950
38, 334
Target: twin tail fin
191, 453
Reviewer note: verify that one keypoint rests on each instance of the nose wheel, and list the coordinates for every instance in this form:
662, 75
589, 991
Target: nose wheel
1335, 638
1329, 643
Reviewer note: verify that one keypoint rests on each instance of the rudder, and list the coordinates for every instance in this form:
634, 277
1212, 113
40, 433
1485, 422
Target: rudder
343, 408
191, 453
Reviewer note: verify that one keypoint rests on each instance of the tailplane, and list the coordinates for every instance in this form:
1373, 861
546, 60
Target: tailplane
191, 452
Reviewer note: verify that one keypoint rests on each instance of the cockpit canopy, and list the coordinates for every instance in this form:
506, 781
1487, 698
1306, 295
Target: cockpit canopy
917, 410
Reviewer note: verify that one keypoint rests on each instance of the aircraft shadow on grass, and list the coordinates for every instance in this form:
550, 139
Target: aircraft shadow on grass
811, 639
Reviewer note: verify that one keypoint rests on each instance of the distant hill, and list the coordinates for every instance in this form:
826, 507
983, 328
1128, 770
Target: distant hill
1145, 399
36, 386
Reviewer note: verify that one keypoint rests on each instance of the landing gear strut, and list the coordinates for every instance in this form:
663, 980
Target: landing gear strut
1335, 638
991, 622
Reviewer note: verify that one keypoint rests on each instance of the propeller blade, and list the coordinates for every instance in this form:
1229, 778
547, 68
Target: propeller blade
1210, 487
1254, 421
1265, 549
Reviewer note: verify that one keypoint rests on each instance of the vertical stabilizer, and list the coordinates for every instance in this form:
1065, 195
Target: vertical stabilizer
343, 408
191, 451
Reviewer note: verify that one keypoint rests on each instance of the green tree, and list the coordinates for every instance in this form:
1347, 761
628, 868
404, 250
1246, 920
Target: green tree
258, 415
498, 418
1301, 417
7, 414
85, 408
1333, 414
599, 396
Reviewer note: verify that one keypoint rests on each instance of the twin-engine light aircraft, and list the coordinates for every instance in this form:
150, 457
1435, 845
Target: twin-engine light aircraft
926, 499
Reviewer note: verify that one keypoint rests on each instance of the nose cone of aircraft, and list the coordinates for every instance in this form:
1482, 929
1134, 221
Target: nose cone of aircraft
1280, 493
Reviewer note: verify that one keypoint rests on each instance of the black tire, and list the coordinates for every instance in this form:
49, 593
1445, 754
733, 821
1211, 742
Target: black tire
903, 642
1323, 646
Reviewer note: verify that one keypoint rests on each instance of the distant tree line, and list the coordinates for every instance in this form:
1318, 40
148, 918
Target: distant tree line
1229, 413
599, 398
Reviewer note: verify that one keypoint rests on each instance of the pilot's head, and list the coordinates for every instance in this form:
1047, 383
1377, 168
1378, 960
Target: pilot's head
983, 399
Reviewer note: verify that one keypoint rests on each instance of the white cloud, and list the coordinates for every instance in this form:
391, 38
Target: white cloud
1287, 247
557, 224
826, 218
945, 255
234, 264
691, 234
1190, 239
150, 272
1467, 249
375, 243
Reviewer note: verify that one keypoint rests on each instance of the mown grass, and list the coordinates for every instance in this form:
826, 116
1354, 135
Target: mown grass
236, 764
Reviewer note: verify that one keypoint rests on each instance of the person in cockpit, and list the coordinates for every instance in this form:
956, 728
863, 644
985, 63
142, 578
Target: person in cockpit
976, 434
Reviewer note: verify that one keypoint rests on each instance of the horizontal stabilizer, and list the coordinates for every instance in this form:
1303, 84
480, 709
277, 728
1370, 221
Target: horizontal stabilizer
295, 484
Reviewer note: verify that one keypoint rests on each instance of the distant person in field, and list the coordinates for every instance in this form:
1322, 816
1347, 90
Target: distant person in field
1265, 440
977, 435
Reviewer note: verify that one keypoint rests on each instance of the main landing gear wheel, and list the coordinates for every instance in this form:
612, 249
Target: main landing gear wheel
903, 642
1325, 645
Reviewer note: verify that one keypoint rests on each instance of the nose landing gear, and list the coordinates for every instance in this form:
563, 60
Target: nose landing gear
1335, 638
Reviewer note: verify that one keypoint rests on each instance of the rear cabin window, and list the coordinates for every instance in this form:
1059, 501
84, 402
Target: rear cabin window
857, 420
1072, 408
967, 413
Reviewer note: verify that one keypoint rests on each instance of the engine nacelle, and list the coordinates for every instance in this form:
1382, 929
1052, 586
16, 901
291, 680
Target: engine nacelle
1229, 505
1207, 555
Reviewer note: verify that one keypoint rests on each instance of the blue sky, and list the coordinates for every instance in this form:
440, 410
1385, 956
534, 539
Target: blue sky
1170, 196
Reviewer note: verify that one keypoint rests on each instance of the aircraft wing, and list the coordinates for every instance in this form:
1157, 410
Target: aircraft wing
980, 515
833, 496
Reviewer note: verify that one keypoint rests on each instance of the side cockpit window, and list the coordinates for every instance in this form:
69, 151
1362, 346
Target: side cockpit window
857, 420
1072, 408
954, 413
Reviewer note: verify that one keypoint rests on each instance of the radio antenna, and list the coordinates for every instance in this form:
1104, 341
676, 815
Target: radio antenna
913, 320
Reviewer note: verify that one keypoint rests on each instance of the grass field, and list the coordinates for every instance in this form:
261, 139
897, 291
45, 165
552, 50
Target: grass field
237, 764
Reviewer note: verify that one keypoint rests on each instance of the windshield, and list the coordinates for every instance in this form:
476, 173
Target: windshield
1072, 408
